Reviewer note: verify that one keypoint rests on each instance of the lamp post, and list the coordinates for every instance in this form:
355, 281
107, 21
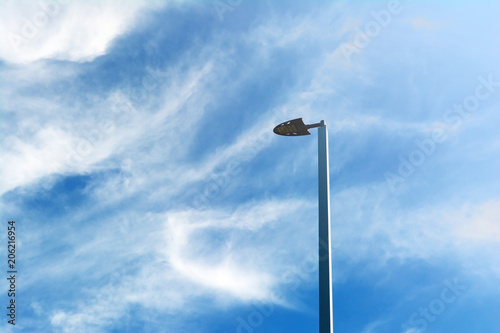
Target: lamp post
296, 127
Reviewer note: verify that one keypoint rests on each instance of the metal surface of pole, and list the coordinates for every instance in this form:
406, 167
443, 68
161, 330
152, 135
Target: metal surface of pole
325, 272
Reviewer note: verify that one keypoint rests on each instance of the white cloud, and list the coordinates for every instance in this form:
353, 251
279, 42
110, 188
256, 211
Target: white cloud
478, 224
76, 139
236, 270
369, 224
190, 255
76, 127
65, 30
30, 161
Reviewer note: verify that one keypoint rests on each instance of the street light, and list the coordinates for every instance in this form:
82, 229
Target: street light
296, 127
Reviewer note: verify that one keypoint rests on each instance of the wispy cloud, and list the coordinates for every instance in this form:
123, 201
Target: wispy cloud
381, 231
64, 30
194, 254
107, 154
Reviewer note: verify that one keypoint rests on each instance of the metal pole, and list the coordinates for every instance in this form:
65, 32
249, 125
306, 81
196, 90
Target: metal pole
325, 272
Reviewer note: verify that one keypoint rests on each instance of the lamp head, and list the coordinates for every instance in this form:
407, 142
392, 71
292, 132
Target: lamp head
295, 127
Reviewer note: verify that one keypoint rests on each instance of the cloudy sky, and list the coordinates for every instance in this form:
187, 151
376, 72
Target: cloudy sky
151, 195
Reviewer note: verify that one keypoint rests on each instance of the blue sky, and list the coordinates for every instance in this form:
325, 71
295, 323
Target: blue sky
151, 195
